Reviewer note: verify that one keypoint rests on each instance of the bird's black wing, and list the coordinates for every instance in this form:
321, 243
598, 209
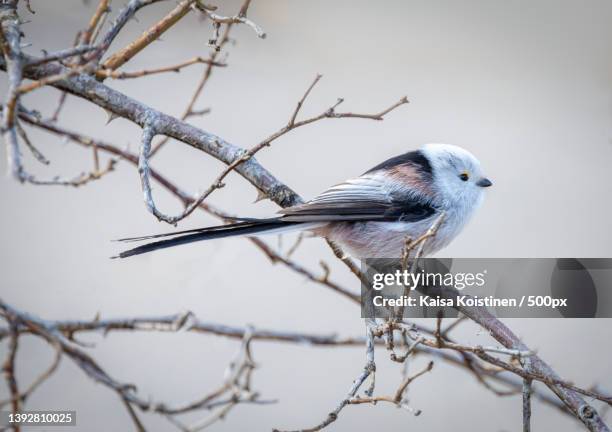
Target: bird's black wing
366, 198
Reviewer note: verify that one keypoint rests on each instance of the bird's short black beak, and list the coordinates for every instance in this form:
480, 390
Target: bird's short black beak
484, 182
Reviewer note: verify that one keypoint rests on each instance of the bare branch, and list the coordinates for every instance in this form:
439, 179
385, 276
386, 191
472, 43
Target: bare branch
348, 262
368, 369
9, 370
64, 95
60, 55
569, 395
132, 413
128, 11
324, 280
108, 73
217, 20
236, 388
188, 322
26, 88
146, 38
10, 39
441, 343
103, 8
123, 106
527, 405
35, 152
80, 180
404, 385
301, 101
237, 19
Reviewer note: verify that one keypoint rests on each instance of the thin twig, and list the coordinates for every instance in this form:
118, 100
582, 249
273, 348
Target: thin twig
102, 9
9, 371
40, 379
217, 20
109, 73
64, 54
35, 152
527, 405
368, 369
399, 394
64, 95
303, 99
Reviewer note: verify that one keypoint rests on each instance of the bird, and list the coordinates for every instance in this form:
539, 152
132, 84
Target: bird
372, 215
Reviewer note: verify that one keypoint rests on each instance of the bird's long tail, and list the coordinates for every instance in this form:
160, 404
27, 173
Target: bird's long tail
247, 227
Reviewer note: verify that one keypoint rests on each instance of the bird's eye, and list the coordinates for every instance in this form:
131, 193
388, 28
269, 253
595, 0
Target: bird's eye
464, 176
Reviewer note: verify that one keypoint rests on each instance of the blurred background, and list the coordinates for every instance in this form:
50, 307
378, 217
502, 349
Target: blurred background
526, 86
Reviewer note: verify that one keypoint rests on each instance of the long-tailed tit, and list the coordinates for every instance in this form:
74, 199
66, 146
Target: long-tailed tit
371, 215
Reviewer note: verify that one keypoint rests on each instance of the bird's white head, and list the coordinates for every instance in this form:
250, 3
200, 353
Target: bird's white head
457, 176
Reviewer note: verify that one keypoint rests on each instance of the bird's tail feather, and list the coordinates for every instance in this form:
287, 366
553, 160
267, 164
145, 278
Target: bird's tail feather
250, 227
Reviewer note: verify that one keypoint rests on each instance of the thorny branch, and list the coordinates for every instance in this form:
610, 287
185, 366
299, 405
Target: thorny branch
80, 71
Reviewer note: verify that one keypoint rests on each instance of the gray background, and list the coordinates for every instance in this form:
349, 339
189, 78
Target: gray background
524, 85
